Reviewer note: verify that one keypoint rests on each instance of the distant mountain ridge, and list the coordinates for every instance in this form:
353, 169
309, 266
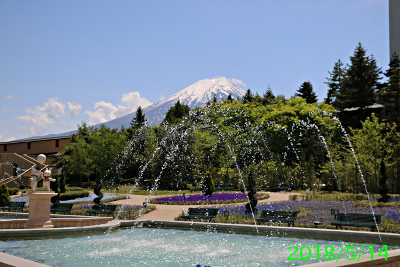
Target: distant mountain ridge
195, 95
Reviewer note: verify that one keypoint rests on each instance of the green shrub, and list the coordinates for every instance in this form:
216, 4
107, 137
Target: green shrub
13, 191
97, 191
4, 195
207, 185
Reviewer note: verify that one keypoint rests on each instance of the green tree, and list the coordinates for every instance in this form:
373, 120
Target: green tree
335, 82
248, 97
251, 191
215, 99
389, 95
369, 143
360, 82
230, 97
4, 195
139, 119
207, 185
306, 91
92, 152
176, 113
383, 187
268, 97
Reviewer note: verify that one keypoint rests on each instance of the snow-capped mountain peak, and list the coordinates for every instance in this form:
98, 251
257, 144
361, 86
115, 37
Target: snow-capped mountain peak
203, 91
195, 95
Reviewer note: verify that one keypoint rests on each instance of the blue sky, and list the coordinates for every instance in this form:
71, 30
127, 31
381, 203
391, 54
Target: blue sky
64, 62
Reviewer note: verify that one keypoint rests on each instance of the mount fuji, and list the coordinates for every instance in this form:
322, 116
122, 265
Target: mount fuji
196, 95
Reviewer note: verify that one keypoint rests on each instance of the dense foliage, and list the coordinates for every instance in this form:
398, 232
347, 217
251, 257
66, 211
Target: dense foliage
4, 195
278, 140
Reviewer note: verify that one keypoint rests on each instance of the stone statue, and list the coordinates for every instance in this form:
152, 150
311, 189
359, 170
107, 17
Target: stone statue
37, 175
47, 179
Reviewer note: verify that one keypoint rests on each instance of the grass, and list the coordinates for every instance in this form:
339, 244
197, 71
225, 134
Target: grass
129, 189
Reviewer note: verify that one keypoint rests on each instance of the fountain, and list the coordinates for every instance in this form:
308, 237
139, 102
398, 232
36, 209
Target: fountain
151, 243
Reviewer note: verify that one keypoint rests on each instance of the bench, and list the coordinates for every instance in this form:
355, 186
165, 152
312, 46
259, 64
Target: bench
61, 207
223, 187
14, 206
281, 216
356, 219
201, 213
103, 209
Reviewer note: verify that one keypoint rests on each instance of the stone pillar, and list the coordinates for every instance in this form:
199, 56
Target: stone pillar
39, 209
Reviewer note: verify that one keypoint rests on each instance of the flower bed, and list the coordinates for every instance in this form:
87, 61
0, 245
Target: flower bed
219, 198
311, 211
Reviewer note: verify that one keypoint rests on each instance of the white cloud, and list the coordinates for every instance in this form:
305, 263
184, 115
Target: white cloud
162, 97
51, 114
237, 81
74, 109
104, 111
9, 97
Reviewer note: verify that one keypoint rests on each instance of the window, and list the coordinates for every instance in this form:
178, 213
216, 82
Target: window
57, 143
29, 145
5, 147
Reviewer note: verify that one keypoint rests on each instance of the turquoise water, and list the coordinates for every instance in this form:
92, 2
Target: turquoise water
168, 247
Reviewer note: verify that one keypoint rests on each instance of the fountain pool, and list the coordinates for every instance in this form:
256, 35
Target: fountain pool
169, 247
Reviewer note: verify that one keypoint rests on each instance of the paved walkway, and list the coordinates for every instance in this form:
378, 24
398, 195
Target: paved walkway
169, 212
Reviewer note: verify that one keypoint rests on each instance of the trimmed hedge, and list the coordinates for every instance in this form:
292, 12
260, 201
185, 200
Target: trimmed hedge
67, 188
73, 194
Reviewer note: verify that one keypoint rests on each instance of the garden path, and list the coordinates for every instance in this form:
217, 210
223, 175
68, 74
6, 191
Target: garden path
169, 212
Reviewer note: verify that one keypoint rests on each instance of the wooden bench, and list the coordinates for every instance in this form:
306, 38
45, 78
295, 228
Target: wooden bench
357, 219
223, 187
14, 206
201, 213
62, 207
103, 209
281, 216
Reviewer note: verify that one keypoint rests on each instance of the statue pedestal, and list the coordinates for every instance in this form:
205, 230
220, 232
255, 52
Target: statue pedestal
39, 209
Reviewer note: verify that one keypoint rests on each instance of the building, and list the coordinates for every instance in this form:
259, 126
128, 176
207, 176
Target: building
394, 26
17, 158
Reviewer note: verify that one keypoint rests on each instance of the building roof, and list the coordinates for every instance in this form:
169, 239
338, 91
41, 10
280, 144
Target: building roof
36, 139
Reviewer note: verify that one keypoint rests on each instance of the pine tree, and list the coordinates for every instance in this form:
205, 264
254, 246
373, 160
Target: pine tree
335, 83
55, 186
248, 97
176, 113
389, 95
214, 99
97, 191
306, 91
360, 82
229, 97
207, 185
383, 187
139, 119
62, 183
268, 97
